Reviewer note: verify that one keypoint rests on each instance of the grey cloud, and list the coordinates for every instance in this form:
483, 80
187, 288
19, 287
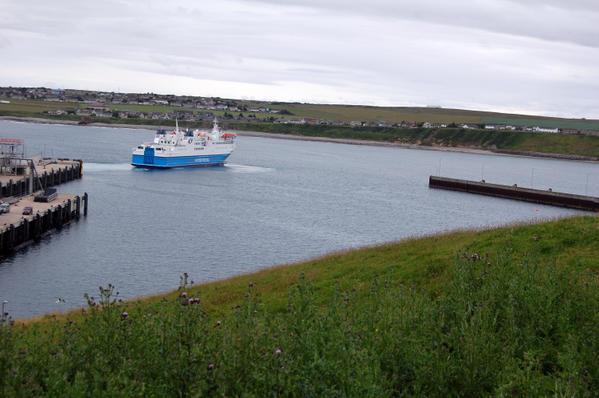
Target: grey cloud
571, 21
501, 55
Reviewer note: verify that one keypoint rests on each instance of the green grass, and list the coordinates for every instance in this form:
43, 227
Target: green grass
33, 107
433, 115
506, 141
509, 141
344, 113
505, 312
549, 122
36, 108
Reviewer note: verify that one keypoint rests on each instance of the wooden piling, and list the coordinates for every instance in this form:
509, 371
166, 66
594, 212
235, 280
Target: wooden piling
77, 207
85, 203
11, 235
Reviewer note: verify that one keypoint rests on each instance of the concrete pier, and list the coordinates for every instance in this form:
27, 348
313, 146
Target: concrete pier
579, 202
30, 207
49, 172
17, 230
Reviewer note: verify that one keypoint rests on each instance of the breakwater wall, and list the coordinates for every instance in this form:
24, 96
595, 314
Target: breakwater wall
560, 199
50, 217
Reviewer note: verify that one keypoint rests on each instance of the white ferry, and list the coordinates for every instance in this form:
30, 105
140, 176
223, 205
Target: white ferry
185, 148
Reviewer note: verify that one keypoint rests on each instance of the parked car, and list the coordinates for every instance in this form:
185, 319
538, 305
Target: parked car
4, 208
28, 210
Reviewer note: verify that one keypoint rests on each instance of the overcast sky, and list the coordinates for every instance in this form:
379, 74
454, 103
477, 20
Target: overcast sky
526, 56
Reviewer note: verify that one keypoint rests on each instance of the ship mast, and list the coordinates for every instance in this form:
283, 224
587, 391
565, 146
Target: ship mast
177, 135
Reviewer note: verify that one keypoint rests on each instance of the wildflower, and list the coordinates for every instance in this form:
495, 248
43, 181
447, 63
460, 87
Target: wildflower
210, 366
124, 315
191, 300
218, 323
194, 300
183, 295
278, 351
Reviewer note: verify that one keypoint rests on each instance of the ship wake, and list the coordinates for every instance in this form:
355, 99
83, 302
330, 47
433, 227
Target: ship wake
241, 168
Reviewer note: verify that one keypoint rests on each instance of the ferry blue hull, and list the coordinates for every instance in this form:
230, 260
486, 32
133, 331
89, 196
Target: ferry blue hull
179, 161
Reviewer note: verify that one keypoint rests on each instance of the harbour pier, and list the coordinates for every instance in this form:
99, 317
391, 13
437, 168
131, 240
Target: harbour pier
18, 230
545, 197
29, 207
33, 174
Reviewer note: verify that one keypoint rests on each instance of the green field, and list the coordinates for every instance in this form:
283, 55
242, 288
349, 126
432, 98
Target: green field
508, 141
433, 115
343, 113
31, 108
505, 312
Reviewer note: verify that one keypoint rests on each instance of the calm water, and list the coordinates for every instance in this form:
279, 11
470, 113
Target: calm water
277, 201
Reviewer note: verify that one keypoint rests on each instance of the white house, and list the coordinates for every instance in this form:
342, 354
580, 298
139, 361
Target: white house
538, 129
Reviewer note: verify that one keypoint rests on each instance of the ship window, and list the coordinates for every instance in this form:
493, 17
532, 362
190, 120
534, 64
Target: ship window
140, 147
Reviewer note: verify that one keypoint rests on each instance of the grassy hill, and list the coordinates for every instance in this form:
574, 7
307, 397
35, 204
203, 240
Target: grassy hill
433, 115
343, 113
505, 141
512, 311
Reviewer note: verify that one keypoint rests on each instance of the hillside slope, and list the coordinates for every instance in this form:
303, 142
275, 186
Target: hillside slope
509, 311
502, 141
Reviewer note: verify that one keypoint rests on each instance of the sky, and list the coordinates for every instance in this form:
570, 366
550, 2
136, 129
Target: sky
524, 56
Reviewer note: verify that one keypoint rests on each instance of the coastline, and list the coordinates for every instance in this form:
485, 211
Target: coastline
295, 267
347, 141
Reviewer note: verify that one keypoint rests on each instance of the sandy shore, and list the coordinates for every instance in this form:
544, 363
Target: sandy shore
326, 139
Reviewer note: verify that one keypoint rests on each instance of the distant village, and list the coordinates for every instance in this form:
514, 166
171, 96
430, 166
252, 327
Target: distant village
111, 105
